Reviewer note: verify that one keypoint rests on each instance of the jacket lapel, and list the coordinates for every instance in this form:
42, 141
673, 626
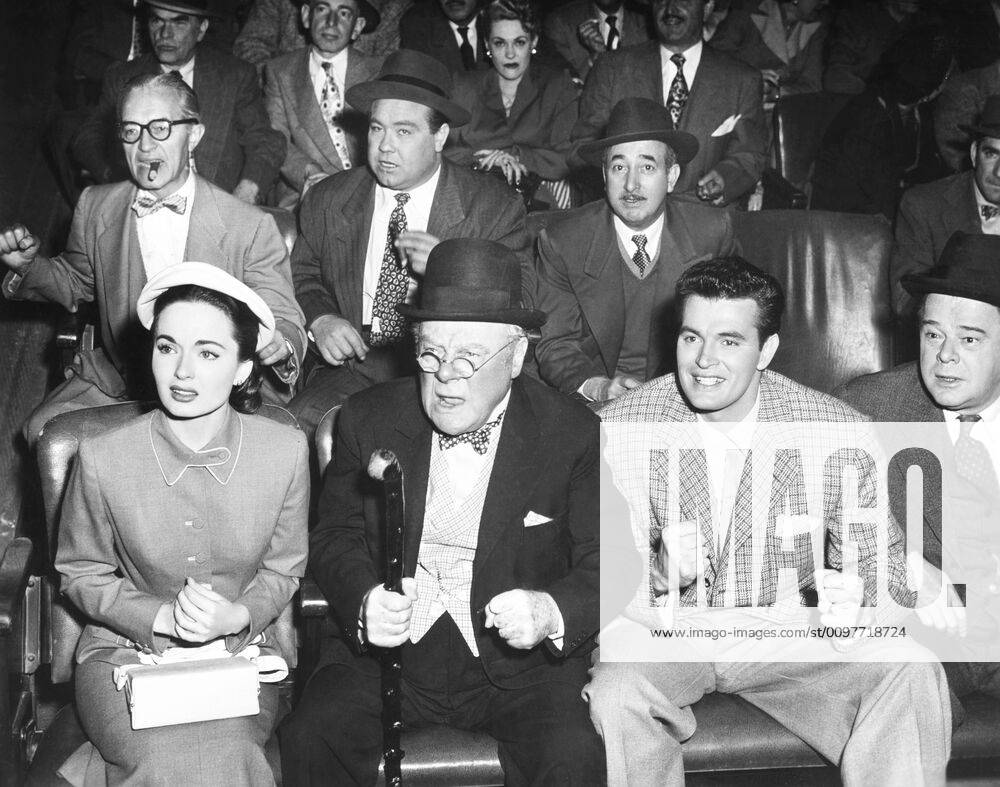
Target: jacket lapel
308, 112
353, 226
649, 70
207, 232
446, 208
599, 291
121, 243
708, 82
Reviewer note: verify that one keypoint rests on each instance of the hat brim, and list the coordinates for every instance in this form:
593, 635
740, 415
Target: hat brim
981, 131
684, 145
526, 318
362, 95
181, 8
915, 284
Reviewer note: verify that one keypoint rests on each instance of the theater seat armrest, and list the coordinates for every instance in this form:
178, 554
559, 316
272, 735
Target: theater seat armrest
14, 570
312, 602
780, 193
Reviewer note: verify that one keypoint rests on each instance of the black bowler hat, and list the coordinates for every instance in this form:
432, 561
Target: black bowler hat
193, 7
410, 76
634, 119
472, 280
969, 267
988, 122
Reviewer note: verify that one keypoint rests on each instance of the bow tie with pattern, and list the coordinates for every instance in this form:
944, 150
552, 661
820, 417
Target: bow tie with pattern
144, 204
479, 439
989, 211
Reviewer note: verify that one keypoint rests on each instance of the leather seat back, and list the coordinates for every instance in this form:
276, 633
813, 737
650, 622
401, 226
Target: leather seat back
799, 124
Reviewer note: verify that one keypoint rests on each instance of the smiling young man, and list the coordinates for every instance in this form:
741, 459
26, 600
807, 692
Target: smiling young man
364, 234
304, 94
866, 718
606, 271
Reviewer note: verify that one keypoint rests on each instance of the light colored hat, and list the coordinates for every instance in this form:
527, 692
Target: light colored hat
211, 278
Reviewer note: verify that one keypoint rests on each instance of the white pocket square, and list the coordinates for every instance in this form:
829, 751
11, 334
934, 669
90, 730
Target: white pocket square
533, 519
727, 126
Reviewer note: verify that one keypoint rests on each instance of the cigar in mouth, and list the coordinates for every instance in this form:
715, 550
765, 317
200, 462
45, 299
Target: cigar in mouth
154, 167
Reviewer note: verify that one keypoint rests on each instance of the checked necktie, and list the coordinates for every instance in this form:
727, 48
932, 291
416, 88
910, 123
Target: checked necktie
468, 56
614, 38
332, 105
393, 282
479, 439
679, 92
972, 459
640, 258
145, 204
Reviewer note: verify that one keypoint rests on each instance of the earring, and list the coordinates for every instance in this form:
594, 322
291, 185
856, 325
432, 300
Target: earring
533, 50
489, 54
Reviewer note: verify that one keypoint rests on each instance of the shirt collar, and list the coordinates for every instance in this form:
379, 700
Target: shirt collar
989, 414
980, 199
738, 433
425, 191
185, 70
692, 55
186, 190
219, 456
652, 233
318, 58
471, 24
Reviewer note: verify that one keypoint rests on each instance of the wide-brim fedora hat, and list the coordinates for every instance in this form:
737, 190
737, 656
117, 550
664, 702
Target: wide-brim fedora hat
193, 7
211, 278
472, 280
988, 122
969, 267
636, 119
409, 75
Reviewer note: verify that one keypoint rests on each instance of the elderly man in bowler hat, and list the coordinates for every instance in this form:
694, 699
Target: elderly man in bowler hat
240, 153
500, 596
956, 382
364, 234
607, 270
929, 214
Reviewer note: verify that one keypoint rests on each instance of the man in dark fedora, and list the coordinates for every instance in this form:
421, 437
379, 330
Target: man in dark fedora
364, 234
607, 270
240, 152
955, 383
500, 592
931, 213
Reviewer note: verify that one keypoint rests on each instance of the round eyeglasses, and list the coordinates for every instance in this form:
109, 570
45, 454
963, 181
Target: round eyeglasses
462, 367
159, 129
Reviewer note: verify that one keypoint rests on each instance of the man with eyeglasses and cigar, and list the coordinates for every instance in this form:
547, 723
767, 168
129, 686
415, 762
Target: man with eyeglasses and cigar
124, 233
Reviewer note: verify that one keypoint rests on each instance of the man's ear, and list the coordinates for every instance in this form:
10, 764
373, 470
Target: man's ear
517, 362
194, 137
767, 352
359, 26
202, 28
673, 174
305, 14
441, 136
973, 150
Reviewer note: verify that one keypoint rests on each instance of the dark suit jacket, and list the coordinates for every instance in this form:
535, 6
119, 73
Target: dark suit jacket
537, 130
238, 144
425, 28
328, 261
580, 287
723, 88
546, 463
293, 109
928, 216
103, 263
860, 35
561, 25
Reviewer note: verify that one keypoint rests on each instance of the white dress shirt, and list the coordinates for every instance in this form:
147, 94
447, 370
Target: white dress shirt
653, 234
692, 59
602, 24
471, 33
989, 226
986, 431
418, 211
163, 233
318, 74
186, 71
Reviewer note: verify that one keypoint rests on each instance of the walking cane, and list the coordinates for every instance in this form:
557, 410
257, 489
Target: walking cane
383, 466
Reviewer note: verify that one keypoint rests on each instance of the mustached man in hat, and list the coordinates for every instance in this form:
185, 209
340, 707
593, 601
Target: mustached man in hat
930, 214
607, 270
955, 383
364, 234
240, 152
500, 596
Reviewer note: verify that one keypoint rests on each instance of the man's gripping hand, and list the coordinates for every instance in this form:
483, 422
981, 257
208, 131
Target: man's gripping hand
18, 247
385, 615
677, 556
523, 617
337, 340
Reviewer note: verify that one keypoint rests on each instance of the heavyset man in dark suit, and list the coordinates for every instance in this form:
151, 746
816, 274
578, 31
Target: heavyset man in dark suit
240, 153
713, 97
500, 591
956, 383
123, 233
608, 301
930, 214
304, 95
364, 235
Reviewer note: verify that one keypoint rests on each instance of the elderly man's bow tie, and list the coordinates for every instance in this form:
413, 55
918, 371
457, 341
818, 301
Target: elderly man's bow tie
989, 211
144, 204
479, 439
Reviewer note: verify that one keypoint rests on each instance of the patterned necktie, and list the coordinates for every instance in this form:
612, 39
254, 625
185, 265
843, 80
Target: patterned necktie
393, 282
468, 56
678, 95
613, 37
479, 439
640, 258
332, 105
145, 204
989, 212
972, 459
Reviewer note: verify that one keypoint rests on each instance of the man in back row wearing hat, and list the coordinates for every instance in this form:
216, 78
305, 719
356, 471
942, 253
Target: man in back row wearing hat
240, 152
607, 270
364, 234
929, 214
500, 592
956, 382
